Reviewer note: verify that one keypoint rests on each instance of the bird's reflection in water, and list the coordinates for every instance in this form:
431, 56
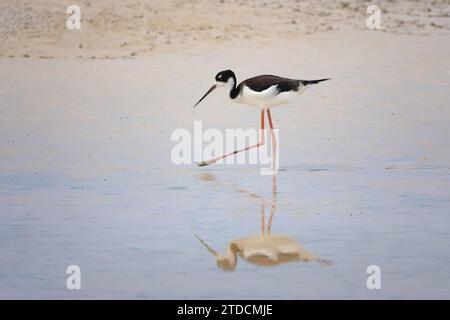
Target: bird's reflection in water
266, 249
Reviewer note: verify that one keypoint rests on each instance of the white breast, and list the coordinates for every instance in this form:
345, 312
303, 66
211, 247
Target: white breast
265, 99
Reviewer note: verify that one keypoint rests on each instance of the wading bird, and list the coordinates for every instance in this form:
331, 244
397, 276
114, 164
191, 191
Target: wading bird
265, 249
265, 92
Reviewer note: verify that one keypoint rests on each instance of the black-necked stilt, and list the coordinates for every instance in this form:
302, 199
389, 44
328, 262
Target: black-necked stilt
265, 92
265, 249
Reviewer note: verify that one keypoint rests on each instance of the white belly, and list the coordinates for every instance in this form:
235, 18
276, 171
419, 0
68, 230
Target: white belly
265, 99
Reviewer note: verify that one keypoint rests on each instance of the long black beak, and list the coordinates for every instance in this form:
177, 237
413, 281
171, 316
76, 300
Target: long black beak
208, 92
206, 245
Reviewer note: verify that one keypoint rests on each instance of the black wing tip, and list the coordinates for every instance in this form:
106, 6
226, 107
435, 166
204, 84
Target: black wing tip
308, 82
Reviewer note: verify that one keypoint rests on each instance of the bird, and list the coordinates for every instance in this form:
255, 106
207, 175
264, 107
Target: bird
265, 249
264, 92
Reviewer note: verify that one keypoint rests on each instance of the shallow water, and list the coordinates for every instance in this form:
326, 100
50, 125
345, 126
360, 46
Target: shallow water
86, 176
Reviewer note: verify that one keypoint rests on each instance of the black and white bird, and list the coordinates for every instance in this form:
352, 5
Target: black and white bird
264, 91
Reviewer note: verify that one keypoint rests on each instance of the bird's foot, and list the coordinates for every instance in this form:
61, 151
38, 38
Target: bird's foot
203, 163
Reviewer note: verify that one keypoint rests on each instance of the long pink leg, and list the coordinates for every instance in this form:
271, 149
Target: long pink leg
263, 222
274, 204
274, 139
260, 143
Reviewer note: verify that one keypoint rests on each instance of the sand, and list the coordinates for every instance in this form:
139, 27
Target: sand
86, 176
128, 29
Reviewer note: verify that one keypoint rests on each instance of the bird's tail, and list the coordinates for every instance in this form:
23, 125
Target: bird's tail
309, 82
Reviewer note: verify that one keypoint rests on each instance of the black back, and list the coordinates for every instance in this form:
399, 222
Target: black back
263, 82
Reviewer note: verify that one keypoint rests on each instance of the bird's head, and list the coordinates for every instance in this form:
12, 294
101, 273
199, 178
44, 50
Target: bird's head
225, 78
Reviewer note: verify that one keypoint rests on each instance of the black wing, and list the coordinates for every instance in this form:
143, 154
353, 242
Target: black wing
261, 83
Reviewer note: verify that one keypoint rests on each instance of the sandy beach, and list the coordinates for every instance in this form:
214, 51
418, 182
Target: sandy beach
86, 176
129, 29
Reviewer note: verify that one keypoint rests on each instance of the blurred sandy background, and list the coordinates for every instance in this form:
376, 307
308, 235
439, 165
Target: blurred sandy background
86, 176
111, 29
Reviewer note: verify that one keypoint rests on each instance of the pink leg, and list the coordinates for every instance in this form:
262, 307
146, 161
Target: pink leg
263, 222
274, 204
269, 226
274, 139
260, 143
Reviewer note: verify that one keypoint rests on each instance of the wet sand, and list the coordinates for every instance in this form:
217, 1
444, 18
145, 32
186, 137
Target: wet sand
86, 176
